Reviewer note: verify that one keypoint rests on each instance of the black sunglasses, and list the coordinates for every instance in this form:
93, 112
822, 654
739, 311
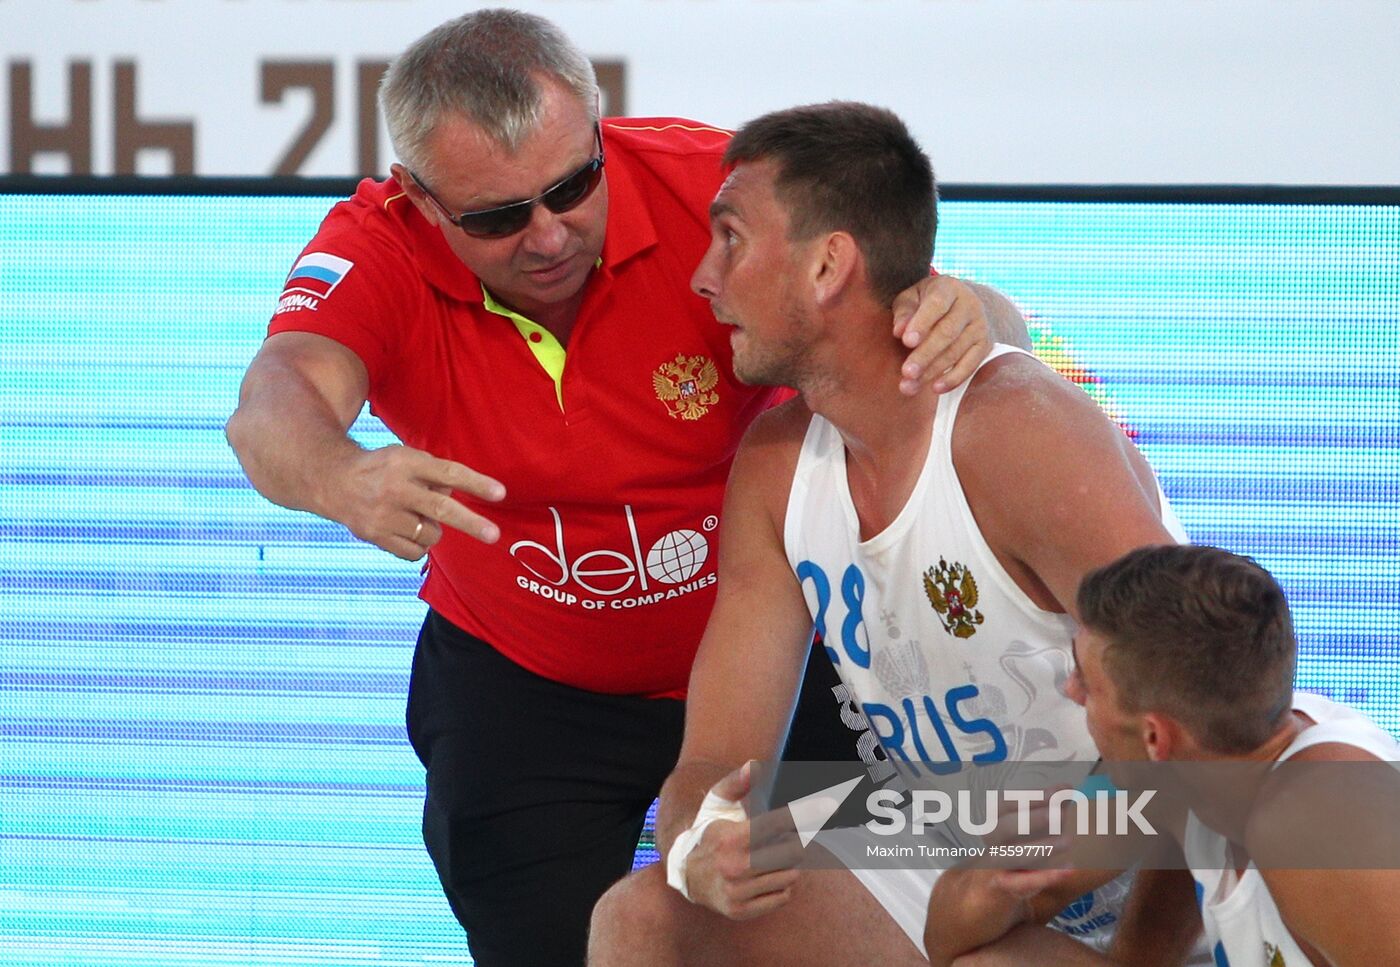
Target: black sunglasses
504, 220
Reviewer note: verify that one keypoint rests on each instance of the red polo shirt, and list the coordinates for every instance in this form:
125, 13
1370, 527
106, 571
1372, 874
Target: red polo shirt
605, 571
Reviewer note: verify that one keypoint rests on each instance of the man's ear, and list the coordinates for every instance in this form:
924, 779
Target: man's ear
837, 265
1163, 737
415, 194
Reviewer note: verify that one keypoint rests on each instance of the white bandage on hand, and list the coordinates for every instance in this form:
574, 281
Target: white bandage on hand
714, 807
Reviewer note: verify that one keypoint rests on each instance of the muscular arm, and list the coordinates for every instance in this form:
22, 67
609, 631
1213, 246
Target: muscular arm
972, 908
1322, 908
1056, 488
290, 432
981, 908
1296, 817
742, 689
746, 674
296, 404
987, 915
1161, 922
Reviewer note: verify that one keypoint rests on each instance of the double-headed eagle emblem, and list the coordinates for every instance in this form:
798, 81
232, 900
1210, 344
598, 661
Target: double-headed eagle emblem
952, 591
686, 385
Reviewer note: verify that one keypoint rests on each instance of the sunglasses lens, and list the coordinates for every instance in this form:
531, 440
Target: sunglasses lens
573, 190
509, 219
497, 223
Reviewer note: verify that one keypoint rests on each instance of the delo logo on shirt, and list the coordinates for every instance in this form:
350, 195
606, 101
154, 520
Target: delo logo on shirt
609, 577
312, 279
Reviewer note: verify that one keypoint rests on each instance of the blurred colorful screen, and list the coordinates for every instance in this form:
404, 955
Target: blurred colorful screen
202, 753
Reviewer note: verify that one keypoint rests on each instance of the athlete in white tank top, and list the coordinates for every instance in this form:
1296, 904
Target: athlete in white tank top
1055, 486
1243, 926
951, 662
1186, 657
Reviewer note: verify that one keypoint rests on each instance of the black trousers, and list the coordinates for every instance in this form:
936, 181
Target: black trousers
537, 791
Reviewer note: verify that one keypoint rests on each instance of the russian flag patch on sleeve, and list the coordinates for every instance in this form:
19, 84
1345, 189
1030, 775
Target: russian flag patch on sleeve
312, 279
318, 273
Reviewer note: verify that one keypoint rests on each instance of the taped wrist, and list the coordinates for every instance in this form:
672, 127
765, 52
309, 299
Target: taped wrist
712, 808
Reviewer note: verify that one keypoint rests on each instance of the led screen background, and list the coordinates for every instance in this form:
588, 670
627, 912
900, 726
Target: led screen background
202, 756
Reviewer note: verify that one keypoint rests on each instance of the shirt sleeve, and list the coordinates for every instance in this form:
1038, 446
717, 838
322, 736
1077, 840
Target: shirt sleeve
354, 285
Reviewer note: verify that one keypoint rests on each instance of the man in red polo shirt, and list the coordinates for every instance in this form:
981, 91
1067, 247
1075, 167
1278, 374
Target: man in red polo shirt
568, 414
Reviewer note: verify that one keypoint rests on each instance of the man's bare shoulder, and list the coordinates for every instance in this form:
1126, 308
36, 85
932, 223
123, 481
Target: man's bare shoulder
1018, 409
1294, 799
1055, 486
774, 438
767, 457
784, 425
1016, 388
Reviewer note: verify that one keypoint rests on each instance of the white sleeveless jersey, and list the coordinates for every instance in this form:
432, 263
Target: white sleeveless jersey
949, 660
1242, 924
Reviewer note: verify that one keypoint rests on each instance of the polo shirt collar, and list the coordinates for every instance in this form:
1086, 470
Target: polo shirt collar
630, 228
439, 265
